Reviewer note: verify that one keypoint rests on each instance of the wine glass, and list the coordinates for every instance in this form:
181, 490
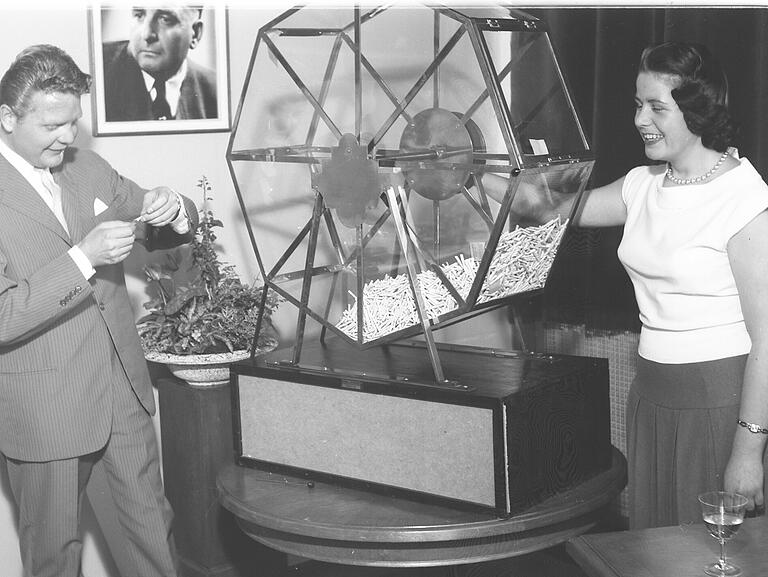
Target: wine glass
723, 513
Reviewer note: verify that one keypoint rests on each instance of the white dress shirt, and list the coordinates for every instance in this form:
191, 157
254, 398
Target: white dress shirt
172, 87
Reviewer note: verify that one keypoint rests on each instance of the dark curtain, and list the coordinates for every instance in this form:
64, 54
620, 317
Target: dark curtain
599, 49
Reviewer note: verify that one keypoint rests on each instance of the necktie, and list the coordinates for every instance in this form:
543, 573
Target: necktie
161, 110
58, 209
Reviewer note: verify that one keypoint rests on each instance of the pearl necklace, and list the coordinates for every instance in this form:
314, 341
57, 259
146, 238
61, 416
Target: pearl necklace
696, 179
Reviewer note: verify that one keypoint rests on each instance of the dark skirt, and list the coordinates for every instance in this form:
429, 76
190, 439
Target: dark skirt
681, 421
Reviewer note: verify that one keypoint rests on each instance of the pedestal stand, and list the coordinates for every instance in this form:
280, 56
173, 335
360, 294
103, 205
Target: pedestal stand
197, 442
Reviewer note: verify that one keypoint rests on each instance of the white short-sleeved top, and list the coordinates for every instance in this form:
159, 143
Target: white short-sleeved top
674, 249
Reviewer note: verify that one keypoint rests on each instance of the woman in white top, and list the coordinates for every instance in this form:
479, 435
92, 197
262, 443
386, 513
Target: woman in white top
695, 246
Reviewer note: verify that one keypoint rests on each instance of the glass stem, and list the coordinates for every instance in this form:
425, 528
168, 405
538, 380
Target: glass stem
722, 554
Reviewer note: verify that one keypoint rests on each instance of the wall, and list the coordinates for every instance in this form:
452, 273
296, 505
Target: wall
175, 160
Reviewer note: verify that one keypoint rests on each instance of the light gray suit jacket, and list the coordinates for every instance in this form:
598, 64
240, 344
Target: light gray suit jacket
64, 340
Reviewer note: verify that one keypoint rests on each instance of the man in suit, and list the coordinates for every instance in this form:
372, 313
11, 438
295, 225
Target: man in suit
74, 386
150, 77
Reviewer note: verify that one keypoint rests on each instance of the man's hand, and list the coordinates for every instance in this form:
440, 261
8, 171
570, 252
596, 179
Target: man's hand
161, 206
108, 243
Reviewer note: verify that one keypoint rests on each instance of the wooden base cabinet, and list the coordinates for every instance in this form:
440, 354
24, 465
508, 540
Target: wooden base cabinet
509, 431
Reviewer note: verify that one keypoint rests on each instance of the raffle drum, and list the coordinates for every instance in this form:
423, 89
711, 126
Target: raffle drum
360, 153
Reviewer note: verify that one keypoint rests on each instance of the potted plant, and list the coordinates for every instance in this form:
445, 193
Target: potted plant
203, 317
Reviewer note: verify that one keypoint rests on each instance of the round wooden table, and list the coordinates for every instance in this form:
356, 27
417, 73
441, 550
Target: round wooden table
336, 524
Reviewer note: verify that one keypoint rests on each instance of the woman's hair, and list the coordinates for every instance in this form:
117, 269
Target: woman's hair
41, 68
701, 92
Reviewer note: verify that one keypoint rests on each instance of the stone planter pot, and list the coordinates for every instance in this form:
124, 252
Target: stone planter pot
204, 370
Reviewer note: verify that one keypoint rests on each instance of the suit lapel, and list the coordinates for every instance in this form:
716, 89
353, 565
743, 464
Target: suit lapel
17, 194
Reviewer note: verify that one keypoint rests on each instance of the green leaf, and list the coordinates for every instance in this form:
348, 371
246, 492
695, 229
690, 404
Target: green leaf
183, 296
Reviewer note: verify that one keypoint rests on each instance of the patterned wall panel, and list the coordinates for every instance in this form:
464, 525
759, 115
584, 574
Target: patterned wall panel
621, 351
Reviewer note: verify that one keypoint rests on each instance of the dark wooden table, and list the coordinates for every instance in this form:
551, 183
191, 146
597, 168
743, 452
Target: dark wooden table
680, 551
327, 522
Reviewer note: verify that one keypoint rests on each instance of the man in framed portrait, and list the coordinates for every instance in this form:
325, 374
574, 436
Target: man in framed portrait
150, 76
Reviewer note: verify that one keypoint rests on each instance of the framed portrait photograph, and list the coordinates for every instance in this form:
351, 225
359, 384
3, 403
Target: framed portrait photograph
159, 69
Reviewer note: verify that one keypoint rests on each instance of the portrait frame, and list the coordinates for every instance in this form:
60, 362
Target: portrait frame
110, 24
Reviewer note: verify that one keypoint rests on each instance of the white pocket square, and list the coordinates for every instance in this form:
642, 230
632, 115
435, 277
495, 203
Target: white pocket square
99, 207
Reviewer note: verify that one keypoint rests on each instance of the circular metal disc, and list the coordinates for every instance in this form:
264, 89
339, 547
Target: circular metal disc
442, 133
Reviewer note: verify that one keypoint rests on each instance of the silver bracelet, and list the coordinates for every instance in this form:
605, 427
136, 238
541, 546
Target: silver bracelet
752, 427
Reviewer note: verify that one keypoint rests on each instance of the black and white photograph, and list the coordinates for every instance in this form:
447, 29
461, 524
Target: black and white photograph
463, 288
159, 69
